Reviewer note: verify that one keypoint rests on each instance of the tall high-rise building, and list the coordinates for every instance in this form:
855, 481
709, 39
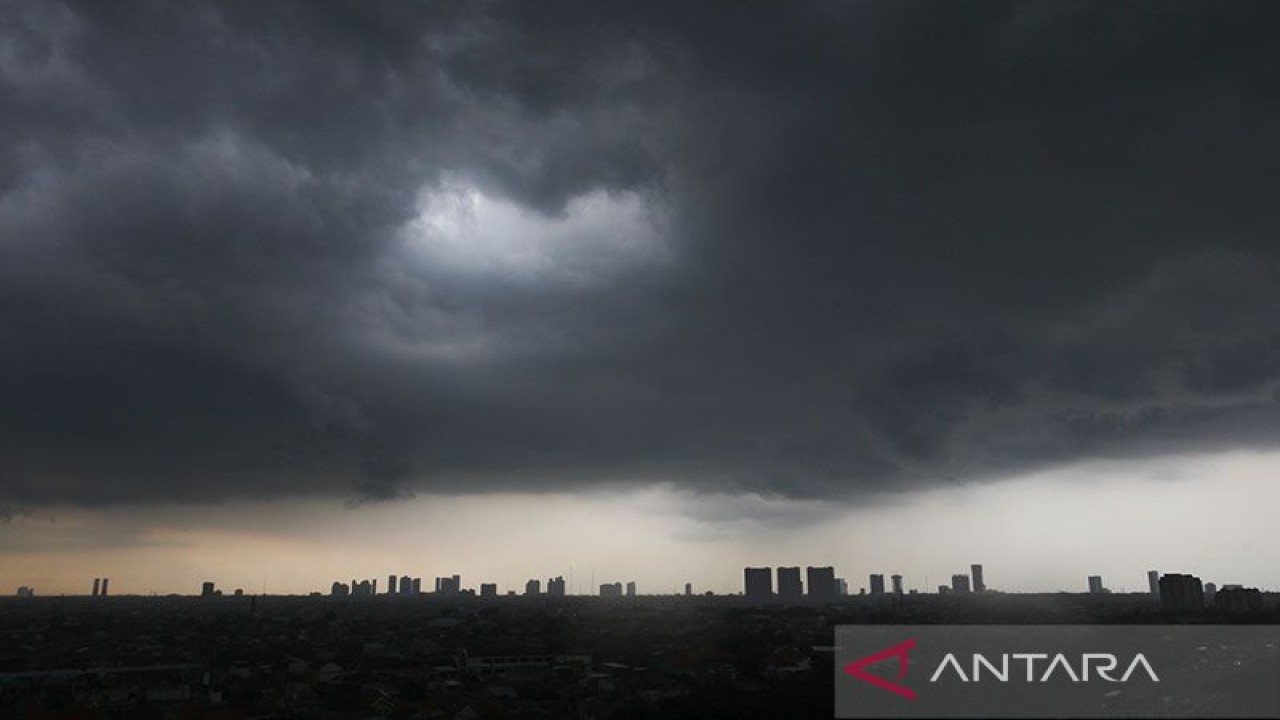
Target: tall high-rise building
406, 585
416, 589
789, 585
97, 583
631, 588
842, 587
206, 590
758, 582
488, 590
960, 583
556, 587
688, 589
1181, 592
449, 585
1095, 585
105, 582
822, 581
876, 584
1153, 582
897, 584
979, 585
1210, 592
611, 590
533, 587
391, 584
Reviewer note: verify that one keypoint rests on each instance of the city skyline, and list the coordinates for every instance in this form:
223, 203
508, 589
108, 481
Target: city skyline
1223, 556
628, 292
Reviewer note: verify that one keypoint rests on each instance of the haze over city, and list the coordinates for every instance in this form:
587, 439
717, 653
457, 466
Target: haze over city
293, 292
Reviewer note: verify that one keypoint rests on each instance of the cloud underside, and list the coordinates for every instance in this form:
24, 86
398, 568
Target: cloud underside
807, 250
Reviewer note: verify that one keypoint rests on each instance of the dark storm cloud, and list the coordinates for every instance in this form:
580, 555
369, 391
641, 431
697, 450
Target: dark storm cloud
898, 244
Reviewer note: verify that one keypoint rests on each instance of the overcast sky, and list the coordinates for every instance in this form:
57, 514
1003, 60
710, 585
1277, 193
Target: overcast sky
739, 280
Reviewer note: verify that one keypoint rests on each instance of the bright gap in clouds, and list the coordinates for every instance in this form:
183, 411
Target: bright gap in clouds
1209, 515
463, 230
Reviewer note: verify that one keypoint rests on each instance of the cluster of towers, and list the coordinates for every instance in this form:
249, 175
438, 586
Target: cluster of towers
100, 586
822, 582
615, 590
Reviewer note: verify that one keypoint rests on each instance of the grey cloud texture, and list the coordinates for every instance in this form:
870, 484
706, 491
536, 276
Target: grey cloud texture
798, 249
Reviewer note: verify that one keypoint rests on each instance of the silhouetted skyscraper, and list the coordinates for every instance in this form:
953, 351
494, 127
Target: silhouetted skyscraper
105, 582
876, 584
789, 585
960, 583
97, 583
1095, 585
417, 586
631, 588
1181, 592
758, 582
449, 585
688, 589
406, 585
488, 590
206, 590
897, 584
533, 587
391, 584
822, 581
1210, 591
979, 585
1153, 582
556, 587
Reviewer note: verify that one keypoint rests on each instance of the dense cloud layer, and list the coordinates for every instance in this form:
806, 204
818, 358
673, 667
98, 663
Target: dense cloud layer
809, 249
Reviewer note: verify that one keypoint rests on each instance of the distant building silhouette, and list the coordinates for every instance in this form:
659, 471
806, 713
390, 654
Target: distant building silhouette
960, 583
1237, 600
758, 582
416, 588
533, 587
1210, 591
944, 589
391, 584
488, 590
688, 589
1181, 592
449, 585
897, 584
1153, 582
556, 587
789, 584
406, 585
631, 588
611, 590
26, 592
105, 583
339, 589
97, 584
822, 581
842, 587
979, 585
876, 584
1095, 585
206, 590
